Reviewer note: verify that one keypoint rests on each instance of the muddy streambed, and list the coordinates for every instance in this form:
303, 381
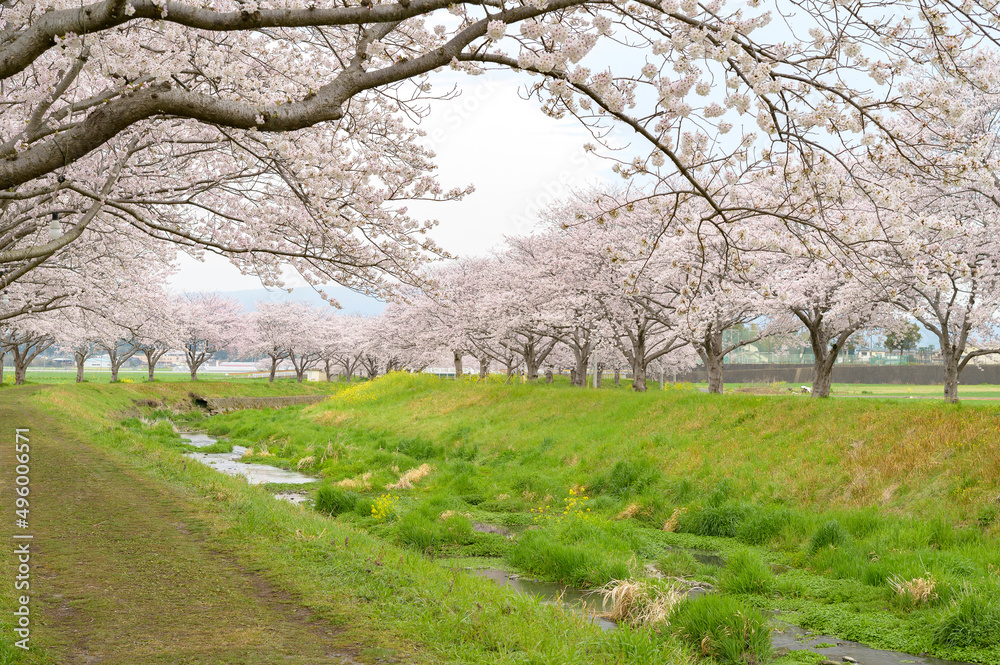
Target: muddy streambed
256, 474
784, 638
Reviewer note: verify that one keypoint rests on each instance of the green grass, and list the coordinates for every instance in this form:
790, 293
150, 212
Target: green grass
887, 390
815, 506
725, 629
384, 601
846, 494
746, 573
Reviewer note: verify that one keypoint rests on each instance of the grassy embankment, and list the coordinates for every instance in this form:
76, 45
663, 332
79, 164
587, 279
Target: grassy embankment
855, 497
113, 553
880, 516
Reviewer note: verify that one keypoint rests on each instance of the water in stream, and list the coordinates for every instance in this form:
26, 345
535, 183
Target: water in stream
228, 463
787, 637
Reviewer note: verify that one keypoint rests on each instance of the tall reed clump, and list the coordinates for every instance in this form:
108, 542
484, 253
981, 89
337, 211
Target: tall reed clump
332, 500
723, 628
831, 534
972, 619
539, 553
746, 573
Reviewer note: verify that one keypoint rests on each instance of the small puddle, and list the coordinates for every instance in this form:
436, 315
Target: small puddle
708, 558
785, 637
296, 498
228, 463
588, 603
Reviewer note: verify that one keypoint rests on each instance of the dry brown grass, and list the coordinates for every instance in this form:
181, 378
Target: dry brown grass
362, 482
638, 603
331, 418
672, 521
262, 452
918, 591
448, 514
304, 462
412, 476
630, 511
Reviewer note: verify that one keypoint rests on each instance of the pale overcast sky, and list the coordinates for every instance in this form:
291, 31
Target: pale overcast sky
519, 160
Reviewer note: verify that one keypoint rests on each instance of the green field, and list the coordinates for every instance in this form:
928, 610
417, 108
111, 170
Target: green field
49, 377
874, 520
935, 391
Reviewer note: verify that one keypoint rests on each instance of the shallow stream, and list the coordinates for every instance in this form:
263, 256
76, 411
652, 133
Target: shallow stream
230, 464
785, 637
589, 603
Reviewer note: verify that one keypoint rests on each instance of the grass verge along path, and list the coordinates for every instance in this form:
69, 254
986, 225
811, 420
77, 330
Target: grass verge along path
124, 573
239, 554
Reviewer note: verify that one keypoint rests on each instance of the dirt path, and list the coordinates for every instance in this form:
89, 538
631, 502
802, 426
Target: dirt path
123, 574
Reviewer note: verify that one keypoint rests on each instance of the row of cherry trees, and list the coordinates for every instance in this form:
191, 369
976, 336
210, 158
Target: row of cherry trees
634, 288
201, 326
279, 134
647, 285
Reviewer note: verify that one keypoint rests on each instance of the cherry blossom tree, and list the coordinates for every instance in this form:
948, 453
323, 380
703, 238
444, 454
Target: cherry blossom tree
949, 281
559, 285
76, 331
159, 333
622, 284
25, 338
270, 333
715, 97
209, 323
832, 304
305, 340
343, 344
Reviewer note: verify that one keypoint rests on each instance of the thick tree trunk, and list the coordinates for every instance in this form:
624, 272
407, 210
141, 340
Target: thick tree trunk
531, 368
638, 377
618, 377
951, 378
581, 368
152, 368
299, 375
597, 375
194, 375
823, 376
458, 364
114, 373
484, 368
79, 369
274, 368
20, 372
326, 368
714, 366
